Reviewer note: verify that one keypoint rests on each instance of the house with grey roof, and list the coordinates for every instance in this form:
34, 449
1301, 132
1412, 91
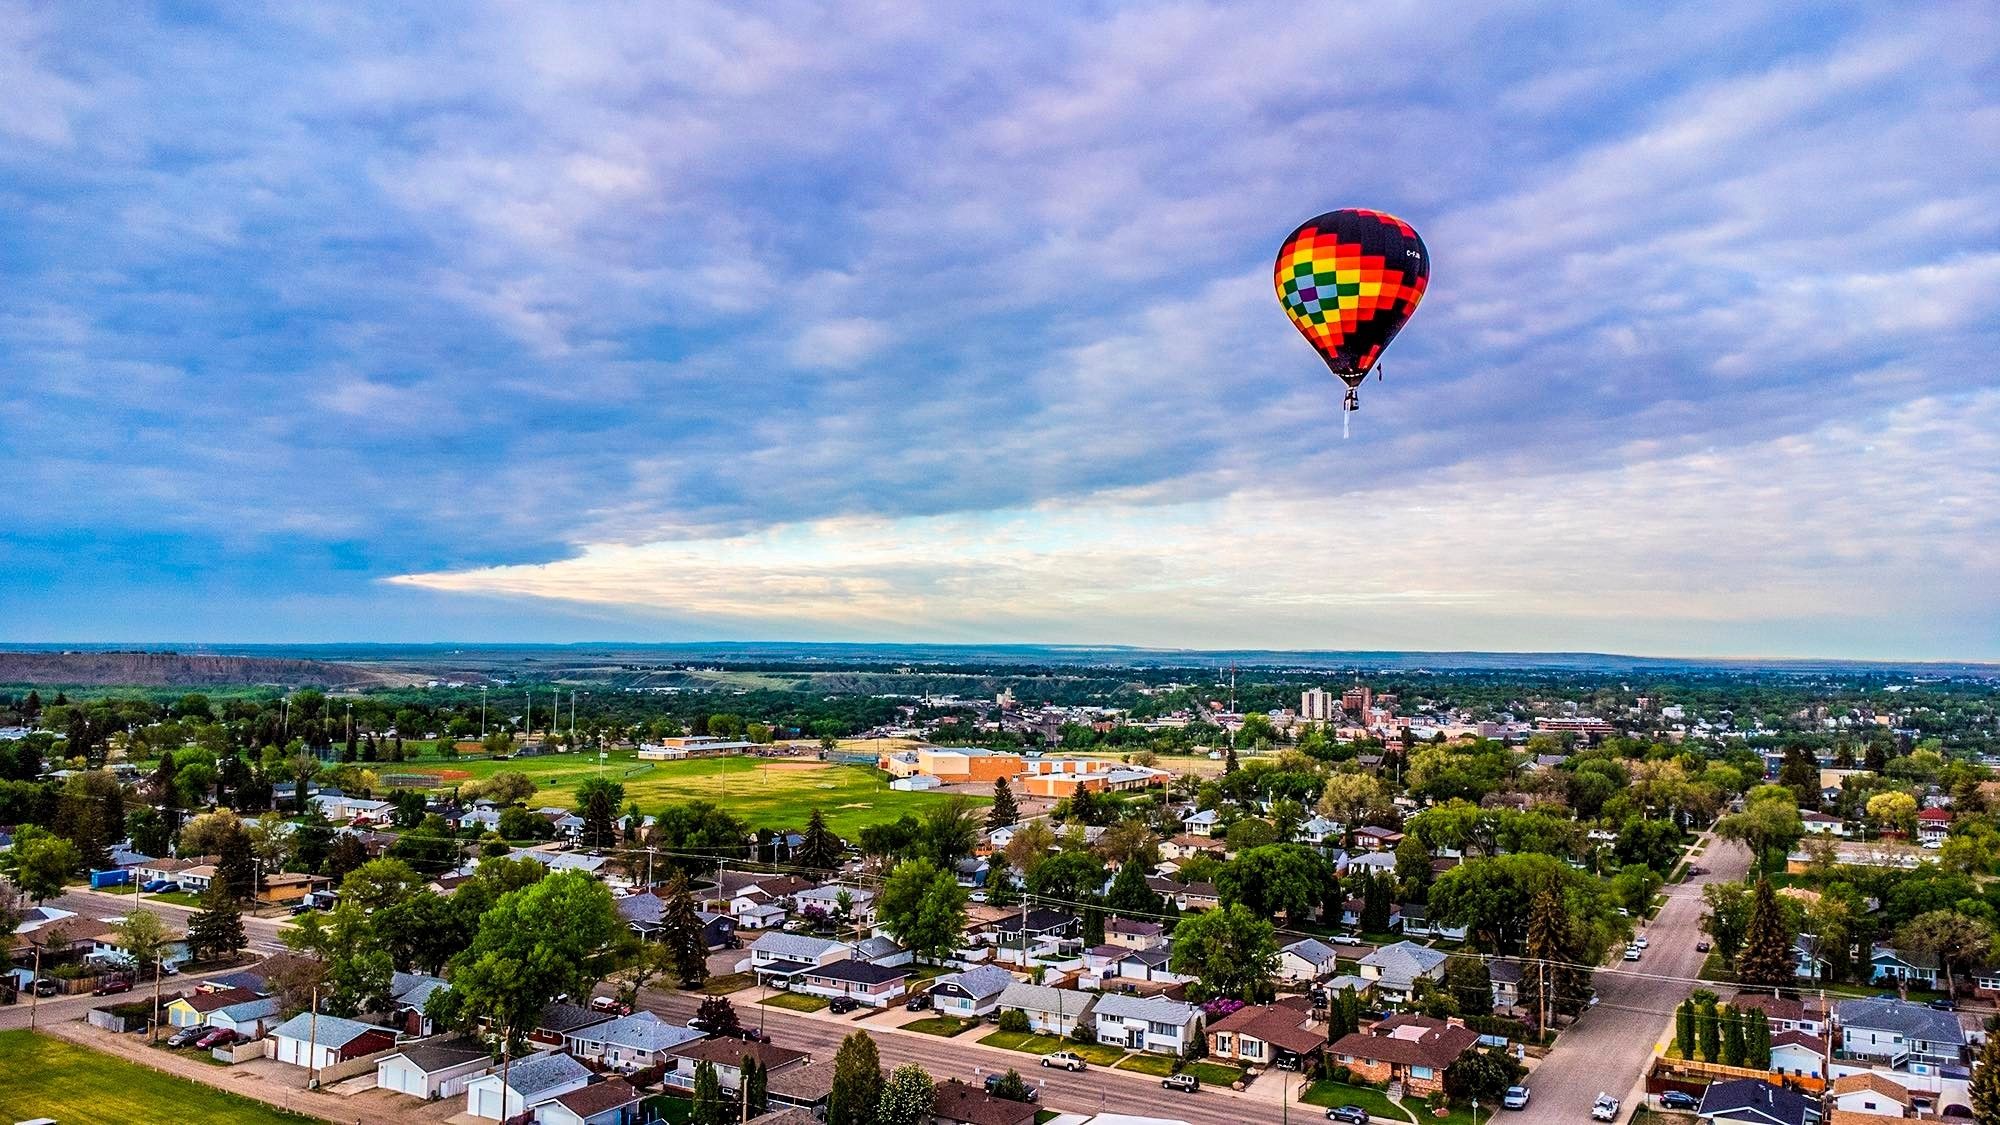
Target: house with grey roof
871, 985
1903, 1035
1051, 1011
434, 1068
1395, 969
629, 1042
1147, 1023
778, 957
1753, 1101
1307, 959
972, 994
527, 1083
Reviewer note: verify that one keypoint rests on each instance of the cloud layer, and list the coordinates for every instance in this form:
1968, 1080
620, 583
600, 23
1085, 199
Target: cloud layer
884, 300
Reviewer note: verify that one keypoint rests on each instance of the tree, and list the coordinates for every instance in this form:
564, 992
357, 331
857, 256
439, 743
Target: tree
1986, 1083
1756, 1039
1684, 1028
216, 930
235, 866
1004, 811
345, 854
1767, 957
1728, 916
597, 801
718, 1017
1958, 942
856, 1096
950, 832
756, 1083
272, 842
43, 863
710, 1108
144, 937
1894, 811
820, 850
1012, 1087
1471, 985
1129, 893
923, 908
1552, 985
1770, 819
1377, 892
1276, 879
540, 941
1231, 950
1483, 1074
206, 834
1708, 1028
1732, 1039
507, 787
907, 1098
681, 932
1069, 877
379, 883
698, 828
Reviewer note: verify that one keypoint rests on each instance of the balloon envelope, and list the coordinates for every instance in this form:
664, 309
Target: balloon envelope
1349, 280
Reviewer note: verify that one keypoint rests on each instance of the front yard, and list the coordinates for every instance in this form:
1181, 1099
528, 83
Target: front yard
1377, 1104
1097, 1054
945, 1026
727, 983
795, 1001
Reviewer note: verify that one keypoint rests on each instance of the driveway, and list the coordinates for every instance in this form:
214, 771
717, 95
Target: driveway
1608, 1049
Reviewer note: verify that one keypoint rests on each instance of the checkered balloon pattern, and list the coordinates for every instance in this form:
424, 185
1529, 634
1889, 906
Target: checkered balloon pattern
1349, 280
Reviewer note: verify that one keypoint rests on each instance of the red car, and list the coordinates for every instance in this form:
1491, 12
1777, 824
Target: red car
220, 1037
109, 985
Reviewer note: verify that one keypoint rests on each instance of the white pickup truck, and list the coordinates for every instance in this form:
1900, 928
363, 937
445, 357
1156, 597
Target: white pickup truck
1605, 1108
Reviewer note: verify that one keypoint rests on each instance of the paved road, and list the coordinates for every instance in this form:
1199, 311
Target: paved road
262, 933
1608, 1049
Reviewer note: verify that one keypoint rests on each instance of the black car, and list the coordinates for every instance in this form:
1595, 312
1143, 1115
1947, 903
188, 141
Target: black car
843, 1004
921, 1002
1679, 1099
46, 987
1350, 1114
1944, 1005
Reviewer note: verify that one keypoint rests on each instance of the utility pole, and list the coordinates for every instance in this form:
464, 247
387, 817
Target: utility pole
35, 988
312, 1043
158, 966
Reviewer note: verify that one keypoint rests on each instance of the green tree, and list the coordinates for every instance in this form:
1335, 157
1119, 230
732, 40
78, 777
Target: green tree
216, 930
1684, 1028
908, 1096
950, 832
1377, 901
1012, 1087
597, 801
1276, 879
1958, 942
857, 1082
235, 865
1471, 985
1728, 916
681, 932
718, 1017
44, 863
1129, 893
1986, 1083
710, 1107
1231, 950
1004, 811
1732, 1039
1769, 820
1766, 958
820, 850
1484, 1075
1708, 1029
923, 908
756, 1082
1756, 1039
1552, 983
543, 940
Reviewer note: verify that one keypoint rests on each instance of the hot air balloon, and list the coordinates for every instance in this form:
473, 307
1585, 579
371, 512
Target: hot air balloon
1349, 280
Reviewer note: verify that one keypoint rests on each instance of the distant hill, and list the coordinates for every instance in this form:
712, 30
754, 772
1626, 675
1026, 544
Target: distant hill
173, 669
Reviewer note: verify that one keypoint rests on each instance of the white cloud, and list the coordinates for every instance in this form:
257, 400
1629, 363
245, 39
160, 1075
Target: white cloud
839, 344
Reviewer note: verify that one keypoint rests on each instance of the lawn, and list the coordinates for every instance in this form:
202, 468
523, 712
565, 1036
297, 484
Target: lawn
1214, 1074
795, 1001
945, 1026
1097, 1054
46, 1077
727, 983
1159, 1066
766, 792
1378, 1104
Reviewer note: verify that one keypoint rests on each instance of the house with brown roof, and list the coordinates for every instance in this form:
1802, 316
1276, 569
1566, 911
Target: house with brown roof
727, 1056
1413, 1050
1871, 1093
1261, 1034
1783, 1013
956, 1103
1798, 1055
601, 1103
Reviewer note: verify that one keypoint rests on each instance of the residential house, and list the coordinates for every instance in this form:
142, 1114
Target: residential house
1871, 1093
339, 807
557, 1021
1417, 921
1395, 969
232, 1009
558, 862
1149, 965
632, 1042
524, 1085
1903, 1035
1035, 933
1130, 933
973, 994
1506, 980
956, 1103
1351, 910
778, 957
1369, 863
287, 888
1321, 832
1188, 846
1933, 825
1753, 1101
1783, 1013
1051, 1011
1889, 965
320, 1041
1306, 960
1201, 823
110, 946
1413, 1050
1185, 896
409, 993
883, 950
860, 902
1820, 824
1261, 1034
434, 1068
726, 1056
611, 1102
1377, 839
871, 985
644, 913
1147, 1023
1808, 963
1797, 1054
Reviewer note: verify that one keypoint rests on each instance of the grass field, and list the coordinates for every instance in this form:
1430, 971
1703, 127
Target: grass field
766, 792
795, 1001
44, 1077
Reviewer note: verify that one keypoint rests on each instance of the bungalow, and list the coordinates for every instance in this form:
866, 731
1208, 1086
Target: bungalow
1351, 910
1782, 1013
1201, 823
110, 946
196, 879
973, 994
558, 862
1187, 846
1395, 969
434, 1068
154, 869
632, 1042
612, 1102
1505, 977
1307, 959
1130, 933
1933, 825
557, 1021
1416, 920
1320, 831
1261, 1034
320, 1041
1370, 863
757, 910
645, 912
409, 994
860, 901
1753, 1101
1820, 824
1185, 896
231, 1009
1872, 1093
726, 1056
1149, 965
1889, 965
883, 950
872, 986
1808, 963
1413, 1050
778, 957
1051, 1011
1147, 1023
1796, 1054
1901, 1034
339, 807
955, 1103
1377, 839
1039, 931
287, 887
524, 1085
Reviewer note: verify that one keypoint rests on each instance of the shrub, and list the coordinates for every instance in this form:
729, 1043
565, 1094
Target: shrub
1013, 1019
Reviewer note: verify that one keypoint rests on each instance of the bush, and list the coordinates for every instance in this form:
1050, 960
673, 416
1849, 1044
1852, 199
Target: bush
1013, 1019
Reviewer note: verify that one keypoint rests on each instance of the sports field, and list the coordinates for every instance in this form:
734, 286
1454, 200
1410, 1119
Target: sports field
44, 1077
765, 792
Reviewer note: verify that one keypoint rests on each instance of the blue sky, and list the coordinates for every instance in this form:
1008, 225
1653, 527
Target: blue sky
887, 322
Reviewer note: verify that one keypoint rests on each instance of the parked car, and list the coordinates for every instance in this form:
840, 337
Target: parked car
842, 1005
1631, 953
1701, 946
1605, 1108
1679, 1099
220, 1037
609, 1004
921, 1002
186, 1036
46, 987
1185, 1083
155, 886
108, 985
752, 1035
1516, 1098
993, 1083
1345, 939
1945, 1004
1351, 1114
1288, 1062
299, 908
1068, 1060
1640, 941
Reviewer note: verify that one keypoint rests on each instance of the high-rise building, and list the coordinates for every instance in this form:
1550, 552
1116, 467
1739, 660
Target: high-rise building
1316, 706
1357, 699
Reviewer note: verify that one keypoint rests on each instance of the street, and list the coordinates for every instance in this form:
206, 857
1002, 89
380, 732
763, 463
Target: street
1608, 1048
